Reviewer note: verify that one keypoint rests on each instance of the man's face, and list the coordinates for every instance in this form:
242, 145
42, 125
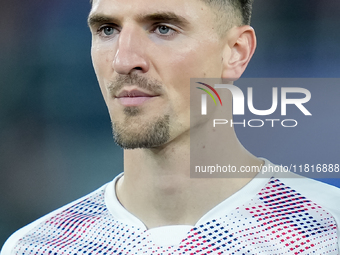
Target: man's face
144, 54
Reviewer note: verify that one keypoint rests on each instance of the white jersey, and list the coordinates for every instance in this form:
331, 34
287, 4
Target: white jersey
270, 215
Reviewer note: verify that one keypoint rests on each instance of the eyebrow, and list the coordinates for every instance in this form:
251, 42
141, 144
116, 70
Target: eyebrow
96, 19
164, 17
171, 17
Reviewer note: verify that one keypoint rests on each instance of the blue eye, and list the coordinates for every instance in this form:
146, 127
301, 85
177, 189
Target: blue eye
164, 29
108, 30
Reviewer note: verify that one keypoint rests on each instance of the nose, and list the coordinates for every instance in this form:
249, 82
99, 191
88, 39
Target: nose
131, 52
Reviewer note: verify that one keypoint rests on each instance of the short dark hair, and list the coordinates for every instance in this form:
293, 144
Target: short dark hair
242, 8
230, 12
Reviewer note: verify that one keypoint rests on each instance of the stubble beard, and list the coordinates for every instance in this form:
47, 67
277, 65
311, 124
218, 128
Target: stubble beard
136, 133
135, 130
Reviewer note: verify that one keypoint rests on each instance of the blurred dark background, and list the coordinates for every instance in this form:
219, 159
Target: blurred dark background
55, 134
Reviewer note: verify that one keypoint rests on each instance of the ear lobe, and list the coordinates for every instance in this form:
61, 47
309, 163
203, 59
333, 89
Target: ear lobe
238, 52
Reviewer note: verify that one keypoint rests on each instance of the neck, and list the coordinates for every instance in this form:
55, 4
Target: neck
157, 187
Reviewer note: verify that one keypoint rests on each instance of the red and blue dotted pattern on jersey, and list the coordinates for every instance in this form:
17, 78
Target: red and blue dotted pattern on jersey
278, 220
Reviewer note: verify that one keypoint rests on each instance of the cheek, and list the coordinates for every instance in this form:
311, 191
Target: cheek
200, 60
102, 64
102, 59
191, 63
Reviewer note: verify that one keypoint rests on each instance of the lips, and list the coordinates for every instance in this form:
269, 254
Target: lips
133, 97
133, 93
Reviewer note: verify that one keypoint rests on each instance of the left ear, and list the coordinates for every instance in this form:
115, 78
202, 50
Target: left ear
238, 51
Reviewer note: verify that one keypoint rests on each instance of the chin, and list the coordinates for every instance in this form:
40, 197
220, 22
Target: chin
139, 135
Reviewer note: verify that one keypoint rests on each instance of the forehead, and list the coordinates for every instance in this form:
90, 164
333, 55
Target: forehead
192, 10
